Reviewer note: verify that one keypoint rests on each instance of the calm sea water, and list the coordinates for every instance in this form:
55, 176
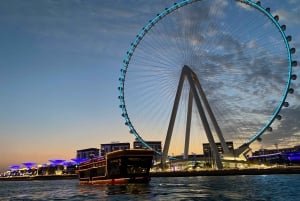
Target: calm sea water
263, 187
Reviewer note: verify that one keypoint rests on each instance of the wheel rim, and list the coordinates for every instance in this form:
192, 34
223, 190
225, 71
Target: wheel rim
168, 11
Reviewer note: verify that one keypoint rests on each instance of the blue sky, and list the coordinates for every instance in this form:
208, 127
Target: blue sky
59, 69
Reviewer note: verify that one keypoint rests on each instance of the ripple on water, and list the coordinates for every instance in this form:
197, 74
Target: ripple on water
254, 188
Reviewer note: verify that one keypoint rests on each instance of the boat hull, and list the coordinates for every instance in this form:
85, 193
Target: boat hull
116, 181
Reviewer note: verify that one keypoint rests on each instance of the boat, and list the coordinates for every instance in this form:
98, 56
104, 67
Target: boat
117, 167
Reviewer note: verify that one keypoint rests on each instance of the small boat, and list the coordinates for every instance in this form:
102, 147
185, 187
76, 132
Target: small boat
117, 167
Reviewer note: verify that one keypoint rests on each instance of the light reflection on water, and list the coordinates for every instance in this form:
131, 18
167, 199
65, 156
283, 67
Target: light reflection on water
268, 187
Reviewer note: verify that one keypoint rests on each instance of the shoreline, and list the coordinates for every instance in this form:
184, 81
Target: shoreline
39, 177
225, 172
228, 172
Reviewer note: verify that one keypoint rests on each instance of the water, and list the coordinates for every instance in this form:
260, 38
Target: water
254, 188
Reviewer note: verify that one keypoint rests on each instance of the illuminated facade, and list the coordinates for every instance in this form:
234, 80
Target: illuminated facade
78, 160
55, 162
277, 150
207, 152
286, 156
14, 167
30, 165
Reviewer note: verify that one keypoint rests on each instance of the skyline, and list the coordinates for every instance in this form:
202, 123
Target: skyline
60, 64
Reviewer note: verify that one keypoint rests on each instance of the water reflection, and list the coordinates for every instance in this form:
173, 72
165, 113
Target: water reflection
128, 189
246, 188
104, 190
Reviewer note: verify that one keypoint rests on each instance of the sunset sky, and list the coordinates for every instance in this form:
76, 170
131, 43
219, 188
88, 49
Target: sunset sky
59, 67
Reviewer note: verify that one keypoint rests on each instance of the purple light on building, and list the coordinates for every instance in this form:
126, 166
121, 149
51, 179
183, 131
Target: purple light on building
44, 165
294, 156
14, 167
69, 163
29, 165
57, 162
78, 160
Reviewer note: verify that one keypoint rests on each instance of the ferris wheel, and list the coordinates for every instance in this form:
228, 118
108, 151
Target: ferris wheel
238, 68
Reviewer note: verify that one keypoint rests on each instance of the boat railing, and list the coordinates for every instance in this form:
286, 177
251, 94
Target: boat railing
92, 164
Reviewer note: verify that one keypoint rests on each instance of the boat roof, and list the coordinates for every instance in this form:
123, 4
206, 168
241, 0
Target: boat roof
120, 153
130, 152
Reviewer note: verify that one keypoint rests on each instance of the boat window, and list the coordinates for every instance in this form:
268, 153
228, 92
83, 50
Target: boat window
114, 167
138, 165
136, 170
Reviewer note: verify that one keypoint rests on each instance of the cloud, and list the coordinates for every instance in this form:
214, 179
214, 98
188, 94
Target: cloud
289, 17
286, 132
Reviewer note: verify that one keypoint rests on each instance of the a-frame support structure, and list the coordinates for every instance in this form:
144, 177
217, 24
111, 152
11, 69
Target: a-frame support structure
195, 91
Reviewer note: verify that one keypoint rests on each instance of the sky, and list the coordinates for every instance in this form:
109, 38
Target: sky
59, 68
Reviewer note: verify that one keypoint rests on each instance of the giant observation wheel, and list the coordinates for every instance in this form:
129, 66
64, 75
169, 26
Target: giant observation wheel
237, 50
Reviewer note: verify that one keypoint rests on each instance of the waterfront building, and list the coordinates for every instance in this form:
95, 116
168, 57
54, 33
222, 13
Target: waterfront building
56, 167
105, 148
207, 152
87, 153
30, 165
77, 161
280, 156
14, 170
70, 167
155, 145
276, 150
31, 168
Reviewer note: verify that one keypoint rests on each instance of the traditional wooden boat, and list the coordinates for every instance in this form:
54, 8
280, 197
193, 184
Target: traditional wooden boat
117, 167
